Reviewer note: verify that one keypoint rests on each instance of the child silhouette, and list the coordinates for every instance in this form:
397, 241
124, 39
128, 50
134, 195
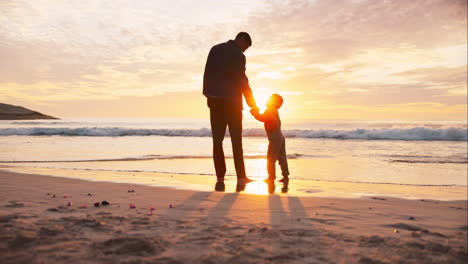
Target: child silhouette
276, 141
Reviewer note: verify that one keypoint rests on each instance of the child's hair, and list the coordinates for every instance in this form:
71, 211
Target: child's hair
278, 100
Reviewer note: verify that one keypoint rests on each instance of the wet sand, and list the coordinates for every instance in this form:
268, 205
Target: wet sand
37, 225
298, 187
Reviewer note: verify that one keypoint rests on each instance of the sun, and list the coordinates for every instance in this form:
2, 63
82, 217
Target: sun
261, 97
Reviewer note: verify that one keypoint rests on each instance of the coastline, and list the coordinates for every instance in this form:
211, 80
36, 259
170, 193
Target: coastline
211, 227
14, 112
297, 187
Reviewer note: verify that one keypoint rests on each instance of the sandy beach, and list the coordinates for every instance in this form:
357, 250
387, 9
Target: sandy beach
129, 131
43, 219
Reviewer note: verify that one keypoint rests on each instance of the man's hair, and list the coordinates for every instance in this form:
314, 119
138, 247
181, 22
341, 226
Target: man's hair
245, 36
278, 100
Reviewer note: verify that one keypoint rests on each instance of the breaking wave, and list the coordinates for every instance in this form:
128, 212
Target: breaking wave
416, 133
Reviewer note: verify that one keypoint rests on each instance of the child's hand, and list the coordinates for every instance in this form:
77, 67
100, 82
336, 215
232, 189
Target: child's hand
254, 111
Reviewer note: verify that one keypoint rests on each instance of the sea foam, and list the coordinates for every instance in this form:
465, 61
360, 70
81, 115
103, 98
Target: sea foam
416, 133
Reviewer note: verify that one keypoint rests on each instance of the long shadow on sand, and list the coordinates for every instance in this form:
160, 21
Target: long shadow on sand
277, 214
296, 209
206, 230
182, 210
219, 212
291, 230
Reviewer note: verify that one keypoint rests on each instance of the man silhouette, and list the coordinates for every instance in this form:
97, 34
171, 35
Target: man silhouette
224, 83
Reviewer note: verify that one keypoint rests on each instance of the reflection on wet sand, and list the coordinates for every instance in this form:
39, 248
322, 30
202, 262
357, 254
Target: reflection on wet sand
272, 187
259, 187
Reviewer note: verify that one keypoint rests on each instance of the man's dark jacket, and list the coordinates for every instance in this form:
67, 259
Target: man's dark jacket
224, 78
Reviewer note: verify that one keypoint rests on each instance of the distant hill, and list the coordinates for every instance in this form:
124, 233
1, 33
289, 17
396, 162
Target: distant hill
13, 112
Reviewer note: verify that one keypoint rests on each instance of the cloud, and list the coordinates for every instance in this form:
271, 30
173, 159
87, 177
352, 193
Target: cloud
352, 52
334, 51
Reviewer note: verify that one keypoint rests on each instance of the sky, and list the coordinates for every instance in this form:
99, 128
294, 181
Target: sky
329, 59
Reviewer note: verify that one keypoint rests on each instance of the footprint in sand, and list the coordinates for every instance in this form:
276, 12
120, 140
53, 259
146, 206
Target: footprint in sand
131, 246
14, 204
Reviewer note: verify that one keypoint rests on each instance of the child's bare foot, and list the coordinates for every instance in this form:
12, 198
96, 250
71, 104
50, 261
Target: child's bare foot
268, 180
284, 180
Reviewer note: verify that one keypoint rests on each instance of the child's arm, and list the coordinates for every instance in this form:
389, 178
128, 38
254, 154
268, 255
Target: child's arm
261, 117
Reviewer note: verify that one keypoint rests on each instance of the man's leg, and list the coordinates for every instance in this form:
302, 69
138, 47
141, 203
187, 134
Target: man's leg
235, 131
218, 129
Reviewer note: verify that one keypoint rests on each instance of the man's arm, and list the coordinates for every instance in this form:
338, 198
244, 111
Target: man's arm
246, 90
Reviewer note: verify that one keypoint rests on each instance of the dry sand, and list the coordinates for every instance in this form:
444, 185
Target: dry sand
211, 227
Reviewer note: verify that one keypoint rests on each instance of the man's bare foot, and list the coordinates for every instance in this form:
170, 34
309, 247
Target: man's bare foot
284, 180
240, 187
243, 181
220, 187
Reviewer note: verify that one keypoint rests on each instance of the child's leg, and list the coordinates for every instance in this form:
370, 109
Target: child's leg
283, 160
272, 156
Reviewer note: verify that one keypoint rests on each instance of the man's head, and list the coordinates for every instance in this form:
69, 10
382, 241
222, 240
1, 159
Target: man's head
275, 101
243, 41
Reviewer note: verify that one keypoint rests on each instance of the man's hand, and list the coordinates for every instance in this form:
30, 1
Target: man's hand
254, 110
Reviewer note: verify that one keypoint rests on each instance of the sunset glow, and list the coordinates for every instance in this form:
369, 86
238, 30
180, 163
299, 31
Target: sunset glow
261, 97
257, 187
328, 59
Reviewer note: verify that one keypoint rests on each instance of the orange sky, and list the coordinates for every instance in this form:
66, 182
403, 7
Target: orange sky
354, 59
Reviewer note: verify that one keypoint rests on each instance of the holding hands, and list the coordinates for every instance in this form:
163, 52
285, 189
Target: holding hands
254, 110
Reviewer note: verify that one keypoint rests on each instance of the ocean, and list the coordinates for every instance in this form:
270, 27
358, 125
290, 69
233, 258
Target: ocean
333, 153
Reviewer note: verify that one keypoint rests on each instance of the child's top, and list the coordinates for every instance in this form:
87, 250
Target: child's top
271, 121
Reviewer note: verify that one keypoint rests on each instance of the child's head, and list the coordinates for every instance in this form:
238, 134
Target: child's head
275, 101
